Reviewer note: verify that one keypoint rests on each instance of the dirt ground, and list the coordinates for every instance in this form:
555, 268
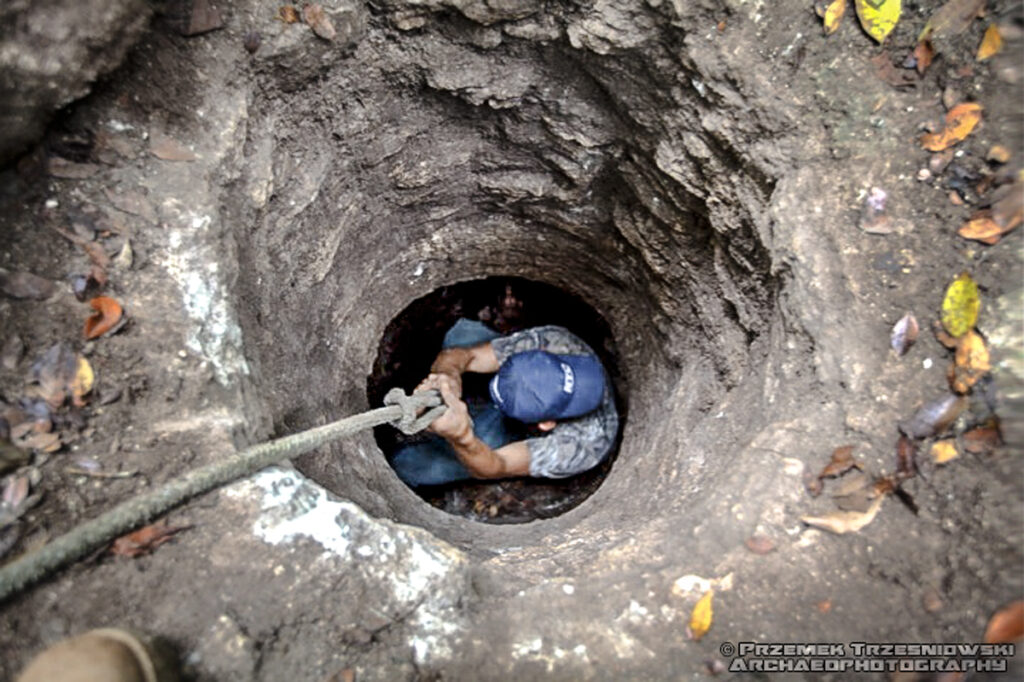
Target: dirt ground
747, 290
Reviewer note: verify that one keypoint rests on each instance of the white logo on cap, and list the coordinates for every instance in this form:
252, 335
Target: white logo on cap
568, 380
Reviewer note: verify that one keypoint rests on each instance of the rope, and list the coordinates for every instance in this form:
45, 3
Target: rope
130, 514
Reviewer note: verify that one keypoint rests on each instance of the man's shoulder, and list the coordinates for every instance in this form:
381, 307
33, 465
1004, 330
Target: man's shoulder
553, 338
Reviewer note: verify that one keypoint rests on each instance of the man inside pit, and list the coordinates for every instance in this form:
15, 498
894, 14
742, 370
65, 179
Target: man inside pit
547, 382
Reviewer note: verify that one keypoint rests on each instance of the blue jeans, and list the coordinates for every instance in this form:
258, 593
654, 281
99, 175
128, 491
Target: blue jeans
433, 461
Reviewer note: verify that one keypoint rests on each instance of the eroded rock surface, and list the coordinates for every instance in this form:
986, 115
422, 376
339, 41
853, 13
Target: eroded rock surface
51, 53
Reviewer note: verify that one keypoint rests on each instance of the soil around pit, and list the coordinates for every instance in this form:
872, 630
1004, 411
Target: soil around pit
605, 591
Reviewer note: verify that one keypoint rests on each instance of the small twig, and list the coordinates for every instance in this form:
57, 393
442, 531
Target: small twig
101, 474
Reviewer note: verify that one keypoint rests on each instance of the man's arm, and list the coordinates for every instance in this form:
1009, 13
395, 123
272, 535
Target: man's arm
453, 362
482, 461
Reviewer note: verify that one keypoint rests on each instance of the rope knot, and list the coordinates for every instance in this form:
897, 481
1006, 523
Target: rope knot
411, 422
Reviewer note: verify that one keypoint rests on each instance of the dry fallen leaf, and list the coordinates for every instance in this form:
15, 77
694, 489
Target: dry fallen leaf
952, 18
997, 153
878, 17
700, 619
834, 15
934, 417
759, 544
318, 20
288, 14
981, 228
944, 451
960, 306
960, 121
971, 362
25, 285
923, 56
942, 337
108, 314
845, 521
842, 461
982, 439
145, 540
1006, 625
991, 44
904, 334
82, 383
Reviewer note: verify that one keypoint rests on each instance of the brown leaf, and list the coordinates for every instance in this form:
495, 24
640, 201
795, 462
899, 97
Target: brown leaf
991, 44
42, 442
759, 544
934, 417
288, 14
62, 168
952, 18
26, 285
1006, 625
15, 491
841, 522
971, 362
904, 334
163, 147
1008, 207
145, 540
906, 452
960, 121
923, 56
842, 461
855, 493
318, 20
982, 440
108, 314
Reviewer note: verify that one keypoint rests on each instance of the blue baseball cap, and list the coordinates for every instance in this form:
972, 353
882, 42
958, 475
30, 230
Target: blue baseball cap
535, 386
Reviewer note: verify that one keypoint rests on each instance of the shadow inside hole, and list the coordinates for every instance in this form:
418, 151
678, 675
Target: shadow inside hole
507, 304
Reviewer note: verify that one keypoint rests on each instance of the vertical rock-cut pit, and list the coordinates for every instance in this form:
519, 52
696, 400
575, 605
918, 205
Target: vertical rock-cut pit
461, 151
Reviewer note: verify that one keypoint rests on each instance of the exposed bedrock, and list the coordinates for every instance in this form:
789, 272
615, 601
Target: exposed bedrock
51, 52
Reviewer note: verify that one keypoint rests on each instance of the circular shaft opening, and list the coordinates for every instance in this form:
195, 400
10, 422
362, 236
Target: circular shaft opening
504, 305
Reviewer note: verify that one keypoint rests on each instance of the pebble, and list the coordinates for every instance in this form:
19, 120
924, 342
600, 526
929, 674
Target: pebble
924, 175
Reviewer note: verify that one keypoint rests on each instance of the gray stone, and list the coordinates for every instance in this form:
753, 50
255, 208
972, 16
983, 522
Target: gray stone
51, 52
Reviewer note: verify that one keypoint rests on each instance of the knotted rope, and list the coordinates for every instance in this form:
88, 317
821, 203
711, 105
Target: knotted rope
400, 410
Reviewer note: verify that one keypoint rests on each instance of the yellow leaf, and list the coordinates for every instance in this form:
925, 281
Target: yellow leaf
845, 521
971, 362
834, 15
960, 306
83, 381
998, 153
960, 121
944, 450
700, 619
878, 17
991, 43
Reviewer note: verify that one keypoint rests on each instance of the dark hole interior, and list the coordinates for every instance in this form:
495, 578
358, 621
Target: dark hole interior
506, 304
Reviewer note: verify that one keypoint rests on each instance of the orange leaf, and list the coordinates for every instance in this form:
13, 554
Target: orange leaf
971, 362
145, 540
981, 228
960, 121
923, 55
108, 314
1006, 625
991, 43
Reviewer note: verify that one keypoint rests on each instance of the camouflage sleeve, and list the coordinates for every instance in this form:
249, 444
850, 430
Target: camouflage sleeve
574, 445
